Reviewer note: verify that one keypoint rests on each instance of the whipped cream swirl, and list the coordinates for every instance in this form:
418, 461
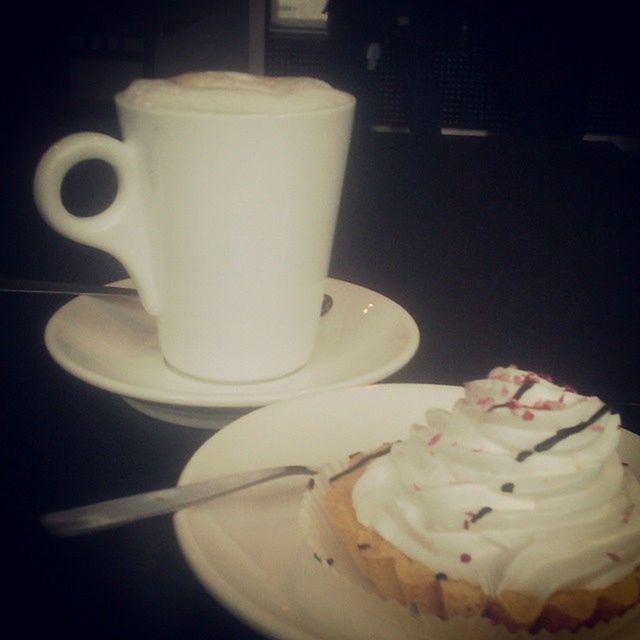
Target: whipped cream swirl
519, 487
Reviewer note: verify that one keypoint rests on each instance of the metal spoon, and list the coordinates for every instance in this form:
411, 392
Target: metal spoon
112, 513
77, 288
64, 288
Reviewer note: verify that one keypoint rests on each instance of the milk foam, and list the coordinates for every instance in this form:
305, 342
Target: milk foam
227, 92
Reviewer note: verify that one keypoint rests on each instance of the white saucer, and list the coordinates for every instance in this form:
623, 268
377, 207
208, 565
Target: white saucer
247, 549
111, 343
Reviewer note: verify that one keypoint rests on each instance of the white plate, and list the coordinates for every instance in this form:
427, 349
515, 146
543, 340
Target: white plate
112, 344
246, 549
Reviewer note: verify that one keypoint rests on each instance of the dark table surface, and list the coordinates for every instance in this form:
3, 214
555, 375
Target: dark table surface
503, 250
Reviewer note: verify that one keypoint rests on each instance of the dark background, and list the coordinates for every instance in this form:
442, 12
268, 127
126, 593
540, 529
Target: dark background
537, 70
518, 247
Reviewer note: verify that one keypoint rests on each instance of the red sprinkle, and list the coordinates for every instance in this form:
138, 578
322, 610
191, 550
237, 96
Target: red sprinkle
417, 487
435, 439
528, 415
547, 405
598, 427
626, 514
467, 523
465, 557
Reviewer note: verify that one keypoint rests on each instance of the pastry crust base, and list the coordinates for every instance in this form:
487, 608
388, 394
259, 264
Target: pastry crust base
395, 576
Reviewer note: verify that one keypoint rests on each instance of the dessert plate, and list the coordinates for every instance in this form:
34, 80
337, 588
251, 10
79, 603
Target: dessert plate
112, 344
246, 548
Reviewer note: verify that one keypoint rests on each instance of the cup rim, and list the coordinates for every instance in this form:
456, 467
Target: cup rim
194, 113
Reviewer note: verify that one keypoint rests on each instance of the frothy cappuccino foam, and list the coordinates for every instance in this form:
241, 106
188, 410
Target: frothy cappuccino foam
232, 92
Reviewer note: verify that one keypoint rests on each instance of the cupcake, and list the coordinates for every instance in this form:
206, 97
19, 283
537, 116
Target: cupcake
514, 507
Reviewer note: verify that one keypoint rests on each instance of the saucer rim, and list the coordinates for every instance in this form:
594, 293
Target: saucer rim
218, 398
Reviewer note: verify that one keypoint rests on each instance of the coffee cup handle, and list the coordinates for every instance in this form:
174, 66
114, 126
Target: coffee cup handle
121, 228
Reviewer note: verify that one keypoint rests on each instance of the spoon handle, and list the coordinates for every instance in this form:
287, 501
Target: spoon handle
19, 285
64, 288
112, 513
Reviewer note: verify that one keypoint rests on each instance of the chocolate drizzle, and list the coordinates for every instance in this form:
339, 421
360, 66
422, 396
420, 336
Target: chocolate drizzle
523, 455
563, 433
364, 460
483, 512
522, 389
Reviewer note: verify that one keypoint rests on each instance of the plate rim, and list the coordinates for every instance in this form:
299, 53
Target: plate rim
266, 624
287, 630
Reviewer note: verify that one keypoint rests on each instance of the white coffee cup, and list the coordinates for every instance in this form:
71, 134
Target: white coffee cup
228, 191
